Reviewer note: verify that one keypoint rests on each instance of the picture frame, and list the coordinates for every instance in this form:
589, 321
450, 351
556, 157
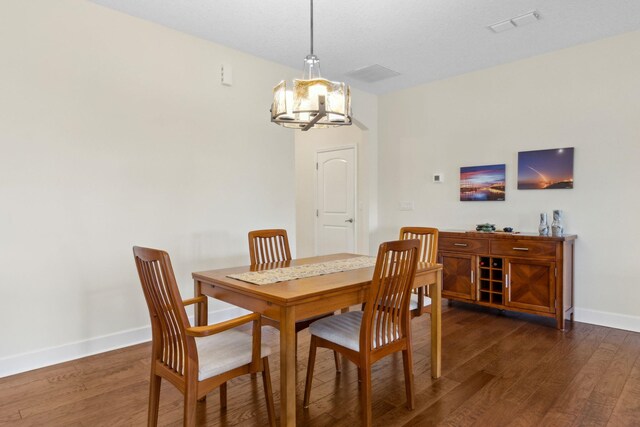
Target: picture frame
483, 183
546, 169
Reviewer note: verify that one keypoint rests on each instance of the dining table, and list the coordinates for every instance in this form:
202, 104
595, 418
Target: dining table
291, 300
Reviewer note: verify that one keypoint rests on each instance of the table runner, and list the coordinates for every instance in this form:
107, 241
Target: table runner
275, 275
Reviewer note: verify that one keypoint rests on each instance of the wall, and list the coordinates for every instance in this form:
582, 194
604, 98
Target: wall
363, 135
116, 132
587, 97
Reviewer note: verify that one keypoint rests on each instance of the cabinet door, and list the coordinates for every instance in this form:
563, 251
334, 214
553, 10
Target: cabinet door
531, 284
458, 275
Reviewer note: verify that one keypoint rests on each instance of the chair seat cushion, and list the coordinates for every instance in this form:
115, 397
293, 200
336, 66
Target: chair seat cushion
342, 329
414, 302
225, 351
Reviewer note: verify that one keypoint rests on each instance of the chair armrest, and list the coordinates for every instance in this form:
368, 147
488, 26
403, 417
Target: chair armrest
196, 300
204, 331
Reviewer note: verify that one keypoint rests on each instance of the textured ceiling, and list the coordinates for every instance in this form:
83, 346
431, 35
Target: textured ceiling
423, 40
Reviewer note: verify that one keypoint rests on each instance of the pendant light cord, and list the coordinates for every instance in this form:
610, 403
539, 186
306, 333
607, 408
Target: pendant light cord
311, 27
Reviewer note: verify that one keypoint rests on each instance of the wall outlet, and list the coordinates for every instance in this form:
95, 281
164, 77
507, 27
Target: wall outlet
438, 178
405, 206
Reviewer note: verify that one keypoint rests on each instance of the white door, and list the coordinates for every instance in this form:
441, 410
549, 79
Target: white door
336, 192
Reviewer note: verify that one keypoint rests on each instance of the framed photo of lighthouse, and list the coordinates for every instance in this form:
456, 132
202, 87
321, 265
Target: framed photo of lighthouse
545, 169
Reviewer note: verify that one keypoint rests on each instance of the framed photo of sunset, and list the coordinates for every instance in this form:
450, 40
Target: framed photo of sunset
482, 183
545, 169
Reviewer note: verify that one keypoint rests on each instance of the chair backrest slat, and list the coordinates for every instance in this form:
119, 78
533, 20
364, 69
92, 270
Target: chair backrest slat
169, 319
267, 246
428, 241
386, 313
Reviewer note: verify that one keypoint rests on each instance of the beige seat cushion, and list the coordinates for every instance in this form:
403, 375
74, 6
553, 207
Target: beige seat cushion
225, 351
342, 329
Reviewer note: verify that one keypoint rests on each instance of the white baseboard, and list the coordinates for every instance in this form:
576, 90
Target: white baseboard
611, 320
23, 362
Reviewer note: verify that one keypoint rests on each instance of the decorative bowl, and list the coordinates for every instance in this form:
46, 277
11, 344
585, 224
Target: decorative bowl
487, 228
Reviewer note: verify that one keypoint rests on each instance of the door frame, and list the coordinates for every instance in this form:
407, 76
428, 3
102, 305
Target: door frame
356, 218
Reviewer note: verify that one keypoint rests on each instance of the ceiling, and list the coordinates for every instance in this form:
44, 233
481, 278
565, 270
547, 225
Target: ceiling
423, 40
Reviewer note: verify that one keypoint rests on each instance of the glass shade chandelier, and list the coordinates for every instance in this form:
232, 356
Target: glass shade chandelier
313, 102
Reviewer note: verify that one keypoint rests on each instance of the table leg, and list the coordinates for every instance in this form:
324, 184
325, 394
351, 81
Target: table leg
287, 367
200, 313
436, 326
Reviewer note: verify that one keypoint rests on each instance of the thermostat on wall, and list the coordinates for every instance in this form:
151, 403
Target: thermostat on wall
438, 178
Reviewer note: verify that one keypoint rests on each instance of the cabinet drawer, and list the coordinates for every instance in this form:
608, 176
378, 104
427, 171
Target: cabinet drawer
446, 244
523, 248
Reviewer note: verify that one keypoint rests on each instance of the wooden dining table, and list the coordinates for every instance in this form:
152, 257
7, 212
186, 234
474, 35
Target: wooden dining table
293, 300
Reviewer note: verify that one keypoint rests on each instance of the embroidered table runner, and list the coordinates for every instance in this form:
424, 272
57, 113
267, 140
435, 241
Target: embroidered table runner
275, 275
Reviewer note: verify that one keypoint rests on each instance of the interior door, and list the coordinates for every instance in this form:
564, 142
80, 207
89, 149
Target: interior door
336, 191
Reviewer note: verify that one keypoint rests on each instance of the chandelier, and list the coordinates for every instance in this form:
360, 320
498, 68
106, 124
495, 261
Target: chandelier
314, 102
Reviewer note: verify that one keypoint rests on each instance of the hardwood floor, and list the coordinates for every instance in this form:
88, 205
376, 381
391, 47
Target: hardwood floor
498, 370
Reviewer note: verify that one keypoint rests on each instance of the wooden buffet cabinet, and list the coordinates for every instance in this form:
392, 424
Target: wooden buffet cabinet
518, 272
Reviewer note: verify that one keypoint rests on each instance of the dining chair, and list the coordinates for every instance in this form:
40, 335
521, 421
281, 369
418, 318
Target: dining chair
267, 246
420, 301
197, 359
382, 328
272, 246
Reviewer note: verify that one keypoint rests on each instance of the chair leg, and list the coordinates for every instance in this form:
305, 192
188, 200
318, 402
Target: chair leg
268, 392
365, 396
310, 366
337, 361
407, 361
190, 405
295, 354
223, 396
154, 399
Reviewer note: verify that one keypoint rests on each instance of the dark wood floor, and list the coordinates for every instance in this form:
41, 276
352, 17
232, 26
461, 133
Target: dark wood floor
498, 370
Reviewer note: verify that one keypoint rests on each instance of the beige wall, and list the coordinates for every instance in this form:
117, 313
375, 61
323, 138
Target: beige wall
587, 97
116, 132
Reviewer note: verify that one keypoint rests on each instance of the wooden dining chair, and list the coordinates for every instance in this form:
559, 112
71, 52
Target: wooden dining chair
198, 359
383, 328
272, 246
267, 246
420, 301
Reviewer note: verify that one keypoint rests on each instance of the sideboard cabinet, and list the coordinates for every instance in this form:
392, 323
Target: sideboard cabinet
518, 272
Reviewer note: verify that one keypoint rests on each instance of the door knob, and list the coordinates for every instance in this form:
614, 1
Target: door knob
348, 220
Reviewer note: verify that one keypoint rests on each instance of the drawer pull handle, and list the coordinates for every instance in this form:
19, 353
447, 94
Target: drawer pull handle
520, 249
461, 244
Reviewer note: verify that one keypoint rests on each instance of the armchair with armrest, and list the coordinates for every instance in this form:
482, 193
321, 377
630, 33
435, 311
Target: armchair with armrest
195, 359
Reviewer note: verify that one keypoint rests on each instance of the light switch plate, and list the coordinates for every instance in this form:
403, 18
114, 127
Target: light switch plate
438, 178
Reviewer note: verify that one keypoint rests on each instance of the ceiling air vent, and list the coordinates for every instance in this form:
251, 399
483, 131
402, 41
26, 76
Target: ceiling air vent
372, 73
515, 22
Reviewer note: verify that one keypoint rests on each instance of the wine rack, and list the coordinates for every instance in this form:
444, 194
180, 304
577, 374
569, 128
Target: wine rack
491, 281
